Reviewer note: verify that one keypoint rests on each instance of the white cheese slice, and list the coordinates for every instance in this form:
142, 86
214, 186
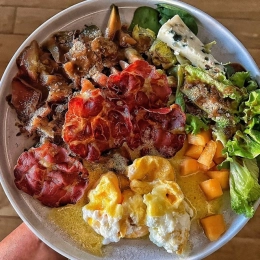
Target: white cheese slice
184, 42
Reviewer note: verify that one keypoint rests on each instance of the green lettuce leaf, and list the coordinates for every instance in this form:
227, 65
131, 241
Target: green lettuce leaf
246, 141
243, 79
244, 186
180, 100
251, 85
239, 78
194, 124
243, 145
220, 135
146, 17
252, 126
252, 106
168, 11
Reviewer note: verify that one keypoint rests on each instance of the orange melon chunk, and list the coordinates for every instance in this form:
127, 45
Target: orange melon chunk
205, 167
222, 176
199, 139
208, 153
194, 151
211, 188
218, 156
214, 226
188, 166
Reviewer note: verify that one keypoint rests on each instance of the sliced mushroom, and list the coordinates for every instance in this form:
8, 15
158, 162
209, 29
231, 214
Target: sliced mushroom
114, 23
25, 99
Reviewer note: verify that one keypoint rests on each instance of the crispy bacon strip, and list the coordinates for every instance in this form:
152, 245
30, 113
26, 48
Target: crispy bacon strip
158, 131
50, 175
94, 125
139, 85
130, 109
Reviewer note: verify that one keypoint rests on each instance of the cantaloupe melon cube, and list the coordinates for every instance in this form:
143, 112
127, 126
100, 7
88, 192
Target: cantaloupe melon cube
194, 151
214, 226
205, 168
222, 176
208, 153
211, 188
188, 166
218, 156
201, 138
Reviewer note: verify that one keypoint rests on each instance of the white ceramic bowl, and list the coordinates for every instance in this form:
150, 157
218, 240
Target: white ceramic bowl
228, 48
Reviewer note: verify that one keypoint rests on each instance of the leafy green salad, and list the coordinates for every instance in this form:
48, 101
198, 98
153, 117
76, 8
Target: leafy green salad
222, 97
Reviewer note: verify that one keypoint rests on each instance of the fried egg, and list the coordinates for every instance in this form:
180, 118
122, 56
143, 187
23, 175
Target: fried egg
149, 168
134, 220
104, 210
113, 214
168, 217
154, 204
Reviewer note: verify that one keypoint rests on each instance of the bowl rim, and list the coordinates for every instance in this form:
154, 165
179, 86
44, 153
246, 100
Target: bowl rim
57, 20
